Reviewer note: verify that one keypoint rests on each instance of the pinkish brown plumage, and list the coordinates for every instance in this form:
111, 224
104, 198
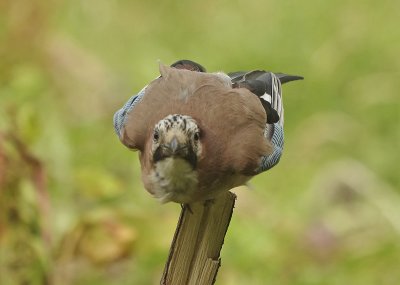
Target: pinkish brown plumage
231, 124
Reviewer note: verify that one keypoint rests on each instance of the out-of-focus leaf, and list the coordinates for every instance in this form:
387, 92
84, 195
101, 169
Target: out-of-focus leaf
97, 183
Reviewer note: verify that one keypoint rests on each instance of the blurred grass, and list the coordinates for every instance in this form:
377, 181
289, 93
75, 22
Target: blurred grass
72, 207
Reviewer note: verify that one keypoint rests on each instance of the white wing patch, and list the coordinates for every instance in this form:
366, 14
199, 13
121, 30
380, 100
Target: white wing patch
266, 97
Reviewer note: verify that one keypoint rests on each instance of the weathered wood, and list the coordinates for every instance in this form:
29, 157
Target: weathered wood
194, 256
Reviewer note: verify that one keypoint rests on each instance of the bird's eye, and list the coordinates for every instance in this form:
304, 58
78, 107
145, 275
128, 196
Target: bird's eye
196, 136
156, 136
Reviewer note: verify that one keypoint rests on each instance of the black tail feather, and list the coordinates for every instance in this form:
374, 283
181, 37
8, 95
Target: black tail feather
189, 65
283, 78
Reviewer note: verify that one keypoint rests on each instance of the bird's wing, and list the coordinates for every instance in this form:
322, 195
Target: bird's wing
266, 85
262, 75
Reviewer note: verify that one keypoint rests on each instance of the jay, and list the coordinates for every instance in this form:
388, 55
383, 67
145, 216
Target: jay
199, 134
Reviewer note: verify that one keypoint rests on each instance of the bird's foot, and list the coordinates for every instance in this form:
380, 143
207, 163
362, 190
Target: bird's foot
186, 207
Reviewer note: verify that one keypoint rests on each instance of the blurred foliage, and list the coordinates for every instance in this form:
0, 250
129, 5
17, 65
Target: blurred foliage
72, 207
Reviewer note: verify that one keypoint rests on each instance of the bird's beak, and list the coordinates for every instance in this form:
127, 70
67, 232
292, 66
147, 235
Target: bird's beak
173, 145
175, 148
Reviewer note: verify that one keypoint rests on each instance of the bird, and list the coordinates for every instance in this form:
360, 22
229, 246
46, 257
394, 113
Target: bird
199, 134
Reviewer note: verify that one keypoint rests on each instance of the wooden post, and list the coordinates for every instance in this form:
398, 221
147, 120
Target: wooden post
194, 256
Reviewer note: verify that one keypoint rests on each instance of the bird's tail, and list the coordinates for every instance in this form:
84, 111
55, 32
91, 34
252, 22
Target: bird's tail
283, 78
189, 65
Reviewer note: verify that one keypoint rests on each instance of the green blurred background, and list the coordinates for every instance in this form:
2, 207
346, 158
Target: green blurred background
72, 206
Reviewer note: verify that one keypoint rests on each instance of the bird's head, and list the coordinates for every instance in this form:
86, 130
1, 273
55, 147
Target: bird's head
176, 136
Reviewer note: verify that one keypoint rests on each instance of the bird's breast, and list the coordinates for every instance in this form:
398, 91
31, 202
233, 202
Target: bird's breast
173, 179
